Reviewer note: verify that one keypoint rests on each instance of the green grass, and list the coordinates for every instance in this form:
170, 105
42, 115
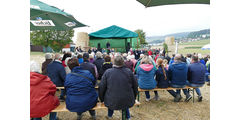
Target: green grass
200, 42
37, 53
192, 47
186, 51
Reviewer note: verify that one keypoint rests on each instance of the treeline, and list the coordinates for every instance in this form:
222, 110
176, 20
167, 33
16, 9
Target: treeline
199, 33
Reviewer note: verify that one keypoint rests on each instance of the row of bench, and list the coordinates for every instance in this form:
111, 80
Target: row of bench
62, 106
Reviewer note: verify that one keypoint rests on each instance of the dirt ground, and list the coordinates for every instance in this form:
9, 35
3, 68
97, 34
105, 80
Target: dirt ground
164, 109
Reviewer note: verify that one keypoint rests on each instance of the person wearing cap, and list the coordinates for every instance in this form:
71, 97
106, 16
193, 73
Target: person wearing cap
42, 94
57, 73
118, 88
48, 59
86, 65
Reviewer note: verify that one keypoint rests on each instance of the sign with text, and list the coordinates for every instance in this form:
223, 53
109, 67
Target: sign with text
42, 22
70, 24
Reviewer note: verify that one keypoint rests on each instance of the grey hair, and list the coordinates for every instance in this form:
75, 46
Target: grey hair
34, 67
48, 56
119, 61
98, 55
57, 56
177, 57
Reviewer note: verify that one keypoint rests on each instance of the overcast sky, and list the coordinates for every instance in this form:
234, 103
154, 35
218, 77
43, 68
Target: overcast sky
132, 15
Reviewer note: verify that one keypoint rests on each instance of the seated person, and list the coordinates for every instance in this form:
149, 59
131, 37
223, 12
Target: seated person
196, 74
81, 95
177, 73
118, 88
145, 76
42, 94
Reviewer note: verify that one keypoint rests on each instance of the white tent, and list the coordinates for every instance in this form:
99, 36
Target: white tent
206, 47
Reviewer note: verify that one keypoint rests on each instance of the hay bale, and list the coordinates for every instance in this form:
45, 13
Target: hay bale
82, 40
170, 40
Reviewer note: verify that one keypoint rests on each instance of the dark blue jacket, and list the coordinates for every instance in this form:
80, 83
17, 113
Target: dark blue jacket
80, 92
196, 73
161, 82
177, 73
86, 65
56, 72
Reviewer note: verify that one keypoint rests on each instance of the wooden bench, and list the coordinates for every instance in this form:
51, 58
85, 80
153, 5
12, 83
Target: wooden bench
62, 108
169, 88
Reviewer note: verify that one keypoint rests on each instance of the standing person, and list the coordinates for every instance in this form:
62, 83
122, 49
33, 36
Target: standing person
177, 73
196, 74
108, 47
99, 62
150, 52
48, 59
86, 65
145, 74
42, 94
57, 74
81, 95
118, 88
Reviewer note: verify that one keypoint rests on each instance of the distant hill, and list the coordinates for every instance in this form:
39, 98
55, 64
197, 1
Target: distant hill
192, 34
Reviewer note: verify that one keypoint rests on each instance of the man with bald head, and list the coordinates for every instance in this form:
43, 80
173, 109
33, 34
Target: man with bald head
57, 74
178, 78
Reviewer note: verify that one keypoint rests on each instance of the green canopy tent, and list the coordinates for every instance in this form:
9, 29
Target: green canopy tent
46, 17
117, 37
151, 3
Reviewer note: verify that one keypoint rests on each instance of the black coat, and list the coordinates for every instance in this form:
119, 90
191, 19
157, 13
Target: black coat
98, 62
86, 65
104, 67
118, 88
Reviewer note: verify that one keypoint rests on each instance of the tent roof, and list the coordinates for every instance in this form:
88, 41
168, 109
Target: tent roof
150, 3
113, 32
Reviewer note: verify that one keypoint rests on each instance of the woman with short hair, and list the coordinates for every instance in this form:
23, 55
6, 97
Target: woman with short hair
81, 95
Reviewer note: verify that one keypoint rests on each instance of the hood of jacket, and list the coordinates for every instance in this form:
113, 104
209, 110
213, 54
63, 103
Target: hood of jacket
146, 67
36, 78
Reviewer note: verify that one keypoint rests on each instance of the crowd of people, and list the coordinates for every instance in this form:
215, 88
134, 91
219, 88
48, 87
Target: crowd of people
117, 75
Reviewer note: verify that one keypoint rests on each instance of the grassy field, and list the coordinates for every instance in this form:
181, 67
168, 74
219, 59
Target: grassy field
189, 47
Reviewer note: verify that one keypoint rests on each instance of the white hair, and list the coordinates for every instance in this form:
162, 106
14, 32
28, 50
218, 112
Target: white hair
98, 55
34, 67
141, 55
132, 56
48, 56
129, 57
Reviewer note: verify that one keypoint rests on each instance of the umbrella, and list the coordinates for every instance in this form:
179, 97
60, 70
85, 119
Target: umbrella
150, 3
46, 17
206, 47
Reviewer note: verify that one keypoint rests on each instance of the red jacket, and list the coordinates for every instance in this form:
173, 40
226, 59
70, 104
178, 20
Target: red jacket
149, 52
42, 95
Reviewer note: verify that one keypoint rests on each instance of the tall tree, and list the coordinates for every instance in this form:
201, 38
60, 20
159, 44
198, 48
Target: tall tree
141, 36
55, 39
